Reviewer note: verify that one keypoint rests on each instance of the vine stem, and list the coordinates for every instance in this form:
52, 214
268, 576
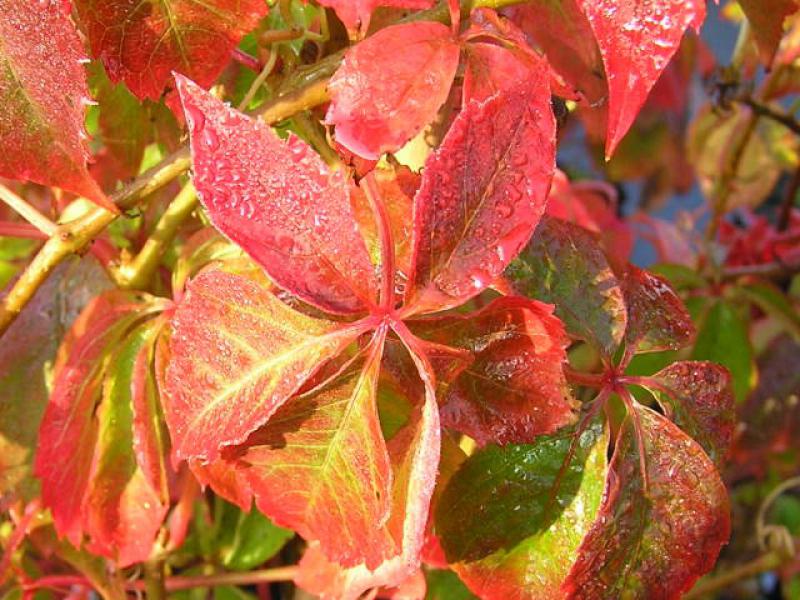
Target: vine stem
305, 89
21, 230
706, 587
28, 212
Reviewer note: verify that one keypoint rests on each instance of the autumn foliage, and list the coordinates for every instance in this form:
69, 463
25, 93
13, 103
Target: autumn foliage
297, 298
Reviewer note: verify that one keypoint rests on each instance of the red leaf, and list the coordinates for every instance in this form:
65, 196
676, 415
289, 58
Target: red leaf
69, 428
698, 397
226, 481
657, 318
414, 453
483, 193
378, 102
515, 389
237, 354
355, 14
659, 540
278, 201
637, 38
562, 31
321, 467
44, 95
142, 43
766, 19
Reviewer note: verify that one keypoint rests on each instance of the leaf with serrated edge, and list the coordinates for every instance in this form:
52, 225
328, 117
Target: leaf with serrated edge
511, 519
653, 543
320, 466
514, 389
378, 103
68, 432
566, 265
280, 203
44, 96
483, 192
142, 43
657, 318
355, 14
698, 397
414, 455
124, 506
637, 39
238, 353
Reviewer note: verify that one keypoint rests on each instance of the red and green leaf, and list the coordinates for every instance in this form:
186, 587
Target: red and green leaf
698, 397
378, 103
514, 389
637, 38
766, 19
237, 354
280, 203
143, 43
483, 192
356, 14
511, 519
44, 96
656, 532
565, 265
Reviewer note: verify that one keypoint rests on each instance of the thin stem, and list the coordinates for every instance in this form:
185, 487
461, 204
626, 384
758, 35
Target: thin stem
385, 236
28, 212
310, 130
244, 59
592, 380
21, 230
633, 414
17, 537
247, 578
154, 583
768, 270
763, 110
259, 81
707, 587
137, 273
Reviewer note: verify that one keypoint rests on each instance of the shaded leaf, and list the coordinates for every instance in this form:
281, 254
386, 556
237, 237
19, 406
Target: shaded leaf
320, 466
654, 542
511, 519
565, 265
657, 318
355, 14
514, 389
279, 202
237, 354
44, 95
483, 192
378, 103
637, 39
142, 43
722, 338
766, 20
26, 355
256, 539
443, 584
698, 397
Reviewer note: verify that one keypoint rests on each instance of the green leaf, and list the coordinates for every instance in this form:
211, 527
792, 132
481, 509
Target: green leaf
565, 265
510, 521
256, 540
445, 585
723, 339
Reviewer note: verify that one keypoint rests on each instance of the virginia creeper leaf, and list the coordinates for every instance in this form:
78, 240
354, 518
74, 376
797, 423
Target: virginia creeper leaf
142, 43
511, 519
279, 202
125, 504
483, 192
766, 23
320, 466
657, 318
698, 397
514, 389
564, 264
26, 354
414, 455
562, 31
68, 432
637, 38
654, 542
722, 338
237, 354
256, 539
44, 95
355, 14
378, 103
